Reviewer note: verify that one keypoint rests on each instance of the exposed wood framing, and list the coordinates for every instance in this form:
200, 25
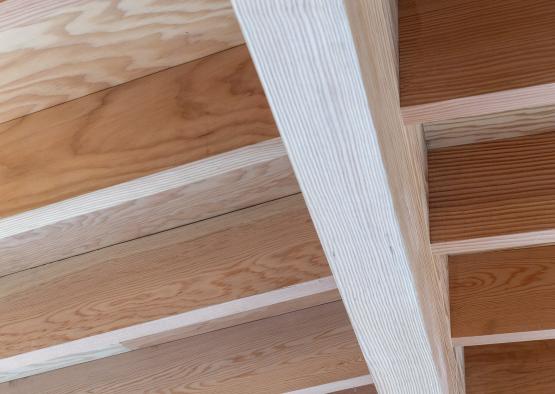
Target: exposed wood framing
360, 381
329, 70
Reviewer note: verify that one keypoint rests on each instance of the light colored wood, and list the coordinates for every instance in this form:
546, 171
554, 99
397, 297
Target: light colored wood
330, 73
175, 197
503, 295
334, 387
52, 51
284, 353
243, 253
493, 194
173, 117
371, 389
490, 127
463, 58
171, 328
527, 367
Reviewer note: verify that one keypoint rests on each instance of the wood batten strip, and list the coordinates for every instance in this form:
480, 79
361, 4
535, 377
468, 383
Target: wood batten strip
334, 387
275, 355
176, 327
176, 116
56, 51
463, 58
329, 69
489, 127
168, 199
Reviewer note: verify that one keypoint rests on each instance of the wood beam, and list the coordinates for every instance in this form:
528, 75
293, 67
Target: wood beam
329, 70
59, 50
177, 116
283, 353
361, 384
462, 58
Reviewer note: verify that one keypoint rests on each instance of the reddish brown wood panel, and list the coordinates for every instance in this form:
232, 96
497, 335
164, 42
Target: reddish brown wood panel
370, 389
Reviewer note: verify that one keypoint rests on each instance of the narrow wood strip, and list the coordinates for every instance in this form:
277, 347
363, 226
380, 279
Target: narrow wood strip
195, 322
334, 387
527, 367
177, 116
510, 337
370, 389
489, 127
57, 50
240, 254
497, 190
284, 353
179, 196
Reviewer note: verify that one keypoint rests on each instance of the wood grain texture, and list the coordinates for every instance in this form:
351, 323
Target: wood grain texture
174, 117
489, 127
465, 58
335, 100
54, 51
195, 322
284, 353
370, 389
364, 383
493, 194
196, 191
527, 367
243, 253
502, 292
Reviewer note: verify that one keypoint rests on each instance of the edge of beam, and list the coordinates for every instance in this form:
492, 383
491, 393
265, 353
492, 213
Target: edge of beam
336, 386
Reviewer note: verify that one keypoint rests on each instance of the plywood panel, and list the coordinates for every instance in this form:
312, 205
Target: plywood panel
247, 252
173, 117
284, 353
57, 50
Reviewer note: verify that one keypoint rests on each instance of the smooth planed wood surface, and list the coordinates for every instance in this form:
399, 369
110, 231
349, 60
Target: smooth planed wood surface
284, 353
360, 384
469, 57
195, 191
329, 69
492, 195
527, 367
370, 389
247, 252
53, 51
489, 127
173, 117
510, 292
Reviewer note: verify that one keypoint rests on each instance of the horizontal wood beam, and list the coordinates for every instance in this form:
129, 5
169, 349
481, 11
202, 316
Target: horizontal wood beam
283, 353
179, 196
492, 195
363, 384
177, 116
55, 51
464, 58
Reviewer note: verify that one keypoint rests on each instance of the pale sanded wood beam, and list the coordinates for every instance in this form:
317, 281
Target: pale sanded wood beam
57, 50
182, 195
492, 195
301, 349
502, 296
329, 70
364, 383
462, 58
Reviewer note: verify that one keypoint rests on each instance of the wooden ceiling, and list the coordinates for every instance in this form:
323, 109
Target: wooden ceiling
153, 232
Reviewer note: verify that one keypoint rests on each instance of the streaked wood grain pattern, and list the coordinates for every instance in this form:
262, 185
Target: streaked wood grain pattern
195, 322
54, 51
371, 389
527, 367
489, 127
468, 50
329, 69
502, 292
247, 252
341, 386
170, 118
199, 190
284, 353
503, 190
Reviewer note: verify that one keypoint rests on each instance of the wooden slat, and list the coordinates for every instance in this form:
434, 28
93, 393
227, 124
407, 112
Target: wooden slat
360, 384
175, 197
527, 367
502, 296
497, 126
57, 50
233, 256
371, 389
492, 195
288, 352
329, 70
469, 57
170, 118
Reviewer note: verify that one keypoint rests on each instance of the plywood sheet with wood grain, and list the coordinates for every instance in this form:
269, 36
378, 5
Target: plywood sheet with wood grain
284, 353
